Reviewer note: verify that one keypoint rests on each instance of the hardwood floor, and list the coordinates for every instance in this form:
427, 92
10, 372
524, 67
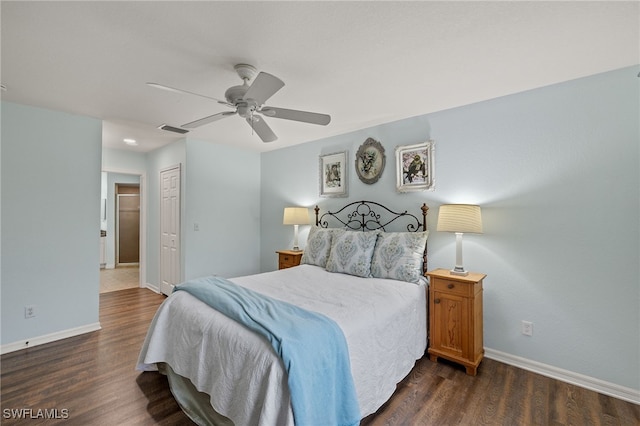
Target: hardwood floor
91, 380
93, 376
443, 394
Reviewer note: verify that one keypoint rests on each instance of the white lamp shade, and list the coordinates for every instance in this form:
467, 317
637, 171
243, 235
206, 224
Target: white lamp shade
460, 218
296, 216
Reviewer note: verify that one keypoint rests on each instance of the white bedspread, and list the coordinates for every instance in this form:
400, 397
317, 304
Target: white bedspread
384, 323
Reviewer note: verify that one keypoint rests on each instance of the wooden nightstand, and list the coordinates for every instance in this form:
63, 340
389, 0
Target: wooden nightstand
455, 318
288, 258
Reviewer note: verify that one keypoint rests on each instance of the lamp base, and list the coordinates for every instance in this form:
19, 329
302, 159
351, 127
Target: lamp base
296, 248
459, 271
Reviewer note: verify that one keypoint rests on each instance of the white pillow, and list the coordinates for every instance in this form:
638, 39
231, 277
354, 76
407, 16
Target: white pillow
351, 252
399, 256
316, 252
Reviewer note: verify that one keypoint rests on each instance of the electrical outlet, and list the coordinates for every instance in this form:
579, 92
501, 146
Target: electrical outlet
30, 311
527, 328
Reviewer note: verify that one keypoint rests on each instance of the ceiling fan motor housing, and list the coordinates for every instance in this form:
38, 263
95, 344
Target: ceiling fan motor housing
236, 93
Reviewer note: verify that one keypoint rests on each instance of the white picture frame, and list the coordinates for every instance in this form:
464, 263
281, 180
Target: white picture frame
415, 167
333, 174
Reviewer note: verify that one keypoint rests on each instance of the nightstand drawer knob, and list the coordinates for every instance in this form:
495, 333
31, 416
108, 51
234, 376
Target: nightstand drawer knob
450, 286
436, 301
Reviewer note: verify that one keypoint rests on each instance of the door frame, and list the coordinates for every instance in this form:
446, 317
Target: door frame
143, 218
117, 225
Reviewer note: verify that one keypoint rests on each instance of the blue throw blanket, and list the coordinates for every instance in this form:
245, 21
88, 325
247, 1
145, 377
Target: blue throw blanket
312, 347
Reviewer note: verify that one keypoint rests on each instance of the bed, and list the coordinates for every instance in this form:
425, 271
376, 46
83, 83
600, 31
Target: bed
363, 269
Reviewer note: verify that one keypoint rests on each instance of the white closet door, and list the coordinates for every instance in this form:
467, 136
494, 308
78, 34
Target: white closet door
170, 270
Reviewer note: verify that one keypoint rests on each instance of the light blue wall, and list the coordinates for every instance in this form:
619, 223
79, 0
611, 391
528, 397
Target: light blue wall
223, 199
123, 161
220, 190
556, 171
50, 221
290, 178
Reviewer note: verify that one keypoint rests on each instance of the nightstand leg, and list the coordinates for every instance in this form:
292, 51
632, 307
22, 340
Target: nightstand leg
472, 371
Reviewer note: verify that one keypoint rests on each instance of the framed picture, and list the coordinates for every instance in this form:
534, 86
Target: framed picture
370, 161
414, 167
333, 175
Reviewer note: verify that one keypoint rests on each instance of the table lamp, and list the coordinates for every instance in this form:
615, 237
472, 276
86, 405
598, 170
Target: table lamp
295, 216
459, 218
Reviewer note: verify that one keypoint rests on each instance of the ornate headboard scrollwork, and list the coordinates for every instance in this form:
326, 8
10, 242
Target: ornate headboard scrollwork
372, 216
365, 216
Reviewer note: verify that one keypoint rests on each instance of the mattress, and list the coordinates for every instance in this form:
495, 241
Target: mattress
383, 320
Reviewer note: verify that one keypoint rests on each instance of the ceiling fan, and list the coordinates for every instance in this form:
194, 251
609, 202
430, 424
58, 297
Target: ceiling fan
248, 100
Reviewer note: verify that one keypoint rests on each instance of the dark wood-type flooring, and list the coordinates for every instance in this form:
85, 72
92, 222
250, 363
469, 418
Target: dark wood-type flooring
91, 380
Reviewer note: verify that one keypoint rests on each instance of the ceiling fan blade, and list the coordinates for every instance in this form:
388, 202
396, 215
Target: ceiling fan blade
261, 128
173, 89
292, 114
263, 87
209, 119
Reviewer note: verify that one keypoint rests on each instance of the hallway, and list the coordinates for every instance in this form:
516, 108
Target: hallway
120, 278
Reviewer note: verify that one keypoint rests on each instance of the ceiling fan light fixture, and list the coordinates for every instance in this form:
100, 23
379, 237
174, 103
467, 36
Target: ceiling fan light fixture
245, 109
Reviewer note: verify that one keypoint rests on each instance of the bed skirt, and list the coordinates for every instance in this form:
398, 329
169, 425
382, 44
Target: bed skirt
193, 403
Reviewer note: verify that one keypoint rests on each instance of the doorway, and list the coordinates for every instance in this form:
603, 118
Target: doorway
118, 272
127, 224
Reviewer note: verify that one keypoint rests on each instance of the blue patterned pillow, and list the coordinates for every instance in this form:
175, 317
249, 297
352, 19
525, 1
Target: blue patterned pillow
351, 252
316, 252
399, 256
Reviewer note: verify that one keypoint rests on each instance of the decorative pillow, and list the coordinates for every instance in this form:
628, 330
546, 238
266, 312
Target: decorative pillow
351, 252
399, 256
316, 252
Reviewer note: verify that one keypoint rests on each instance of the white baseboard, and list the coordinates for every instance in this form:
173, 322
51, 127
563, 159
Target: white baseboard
591, 383
152, 287
59, 335
47, 338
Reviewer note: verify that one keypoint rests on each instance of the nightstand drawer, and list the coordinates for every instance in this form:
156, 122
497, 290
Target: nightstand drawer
286, 263
452, 287
288, 258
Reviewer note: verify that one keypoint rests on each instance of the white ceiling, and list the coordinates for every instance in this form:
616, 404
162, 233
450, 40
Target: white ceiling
364, 63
